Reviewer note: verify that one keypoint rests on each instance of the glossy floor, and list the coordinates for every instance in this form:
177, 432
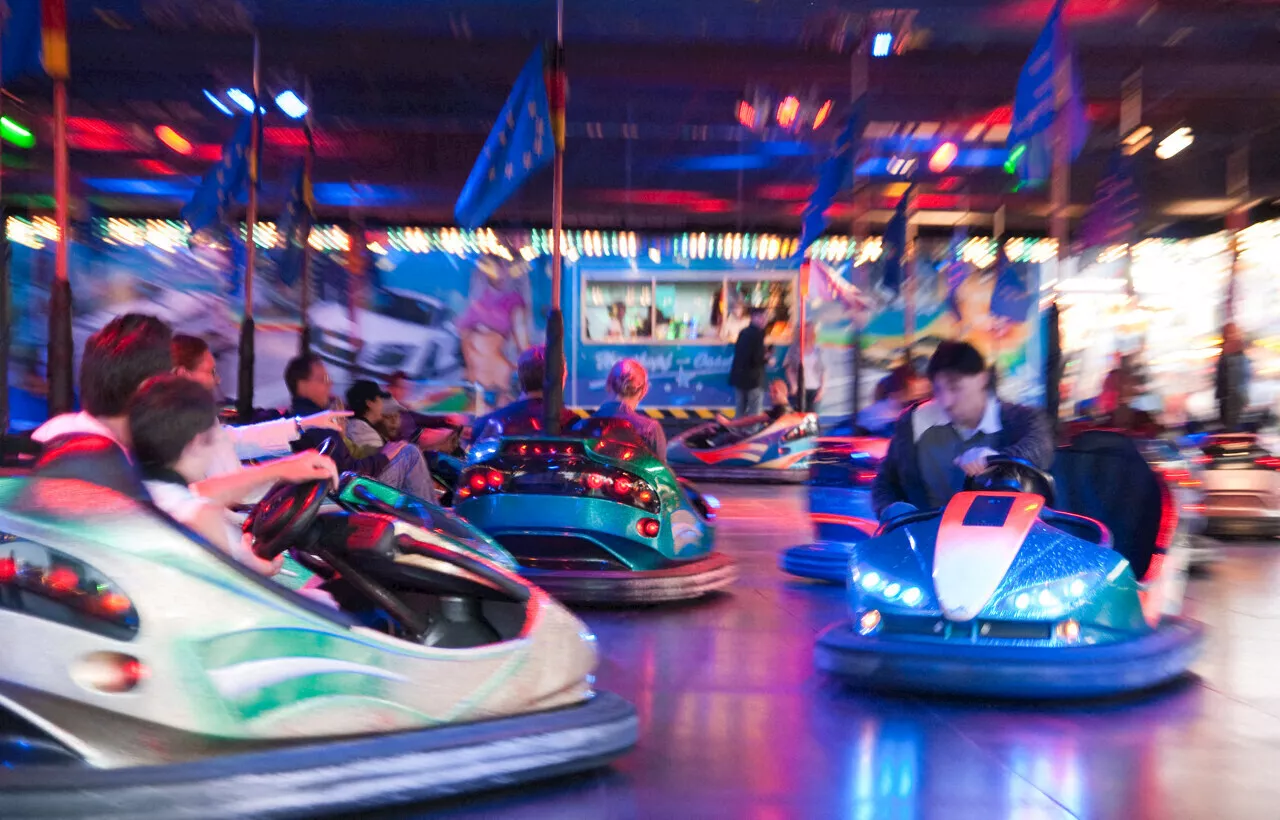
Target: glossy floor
737, 724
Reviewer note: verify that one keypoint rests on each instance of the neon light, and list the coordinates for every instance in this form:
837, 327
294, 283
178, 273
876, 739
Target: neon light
746, 114
217, 103
882, 45
821, 116
241, 99
943, 157
12, 132
174, 140
788, 109
291, 105
1011, 164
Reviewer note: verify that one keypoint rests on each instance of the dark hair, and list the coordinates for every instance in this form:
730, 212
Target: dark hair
898, 380
165, 415
957, 359
188, 351
758, 311
119, 358
363, 393
531, 369
299, 370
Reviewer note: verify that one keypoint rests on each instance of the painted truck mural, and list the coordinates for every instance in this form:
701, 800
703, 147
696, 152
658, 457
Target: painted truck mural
453, 310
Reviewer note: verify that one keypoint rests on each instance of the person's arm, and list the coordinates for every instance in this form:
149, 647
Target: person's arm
887, 488
233, 488
745, 421
370, 465
1032, 437
272, 439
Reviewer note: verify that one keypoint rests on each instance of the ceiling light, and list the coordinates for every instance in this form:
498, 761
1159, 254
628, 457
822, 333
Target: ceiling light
291, 104
787, 111
217, 103
882, 44
16, 133
174, 140
241, 99
821, 116
1175, 143
943, 157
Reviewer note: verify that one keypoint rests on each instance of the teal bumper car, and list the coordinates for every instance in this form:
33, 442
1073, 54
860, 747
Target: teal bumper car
1010, 592
593, 517
145, 673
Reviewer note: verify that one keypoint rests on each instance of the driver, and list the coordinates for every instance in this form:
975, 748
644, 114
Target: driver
174, 425
781, 406
526, 412
628, 382
938, 444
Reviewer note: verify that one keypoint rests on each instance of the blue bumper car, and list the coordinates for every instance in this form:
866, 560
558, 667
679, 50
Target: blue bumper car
777, 453
839, 493
1011, 593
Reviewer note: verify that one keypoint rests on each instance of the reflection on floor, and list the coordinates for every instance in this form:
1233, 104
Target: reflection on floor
736, 723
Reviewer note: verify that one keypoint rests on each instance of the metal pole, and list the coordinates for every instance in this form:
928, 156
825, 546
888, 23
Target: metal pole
909, 278
244, 392
6, 303
805, 271
858, 81
61, 389
304, 342
1060, 224
553, 387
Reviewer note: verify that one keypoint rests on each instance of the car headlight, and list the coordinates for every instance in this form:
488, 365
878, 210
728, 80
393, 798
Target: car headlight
1050, 598
882, 587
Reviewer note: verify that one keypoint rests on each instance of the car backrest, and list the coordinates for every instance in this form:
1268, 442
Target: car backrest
94, 459
1102, 475
617, 429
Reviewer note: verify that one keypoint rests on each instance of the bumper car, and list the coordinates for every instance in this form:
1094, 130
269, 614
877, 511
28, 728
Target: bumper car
1065, 587
778, 453
839, 493
147, 674
593, 517
1240, 486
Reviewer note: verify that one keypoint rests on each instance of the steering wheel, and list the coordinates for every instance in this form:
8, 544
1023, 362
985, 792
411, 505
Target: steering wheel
1005, 474
286, 513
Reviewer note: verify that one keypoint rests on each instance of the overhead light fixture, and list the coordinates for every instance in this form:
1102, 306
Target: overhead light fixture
882, 45
241, 99
174, 140
217, 103
16, 133
821, 116
291, 104
942, 158
788, 109
1175, 143
746, 114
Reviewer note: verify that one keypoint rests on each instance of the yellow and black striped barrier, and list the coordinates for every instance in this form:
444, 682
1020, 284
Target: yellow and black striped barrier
671, 413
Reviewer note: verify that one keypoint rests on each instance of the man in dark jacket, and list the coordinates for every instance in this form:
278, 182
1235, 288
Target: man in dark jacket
750, 358
939, 443
398, 464
1231, 379
525, 415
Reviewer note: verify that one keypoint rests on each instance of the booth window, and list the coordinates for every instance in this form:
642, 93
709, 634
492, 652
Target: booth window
777, 297
688, 311
617, 311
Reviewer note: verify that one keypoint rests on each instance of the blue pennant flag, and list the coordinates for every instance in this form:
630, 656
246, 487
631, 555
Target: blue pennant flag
239, 261
519, 145
22, 42
222, 183
1010, 298
836, 173
1036, 106
1112, 219
955, 269
894, 247
295, 228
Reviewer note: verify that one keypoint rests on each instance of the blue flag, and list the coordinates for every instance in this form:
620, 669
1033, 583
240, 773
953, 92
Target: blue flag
239, 260
1035, 105
1010, 298
519, 144
836, 173
23, 41
895, 244
1112, 219
222, 183
295, 228
955, 269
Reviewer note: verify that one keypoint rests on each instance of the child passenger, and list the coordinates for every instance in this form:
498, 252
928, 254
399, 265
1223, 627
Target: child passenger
173, 422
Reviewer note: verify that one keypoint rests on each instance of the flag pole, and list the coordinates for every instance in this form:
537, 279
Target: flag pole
6, 303
553, 387
61, 389
304, 340
859, 73
244, 391
1060, 227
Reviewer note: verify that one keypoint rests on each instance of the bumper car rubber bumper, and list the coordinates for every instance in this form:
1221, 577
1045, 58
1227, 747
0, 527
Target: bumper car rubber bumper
1012, 672
679, 583
339, 776
823, 561
740, 475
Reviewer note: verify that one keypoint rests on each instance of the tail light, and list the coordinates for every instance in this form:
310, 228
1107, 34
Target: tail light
480, 481
1180, 478
50, 585
649, 527
111, 672
539, 473
1268, 462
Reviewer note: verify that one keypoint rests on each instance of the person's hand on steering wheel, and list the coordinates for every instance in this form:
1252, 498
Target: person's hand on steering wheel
974, 460
305, 466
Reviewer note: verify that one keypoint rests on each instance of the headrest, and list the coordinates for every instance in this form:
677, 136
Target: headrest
1103, 441
601, 426
92, 458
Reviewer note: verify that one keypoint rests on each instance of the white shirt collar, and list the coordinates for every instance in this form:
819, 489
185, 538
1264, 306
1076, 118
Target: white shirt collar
68, 423
930, 415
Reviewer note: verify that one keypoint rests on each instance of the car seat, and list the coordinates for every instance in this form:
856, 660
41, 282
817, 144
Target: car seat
94, 459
